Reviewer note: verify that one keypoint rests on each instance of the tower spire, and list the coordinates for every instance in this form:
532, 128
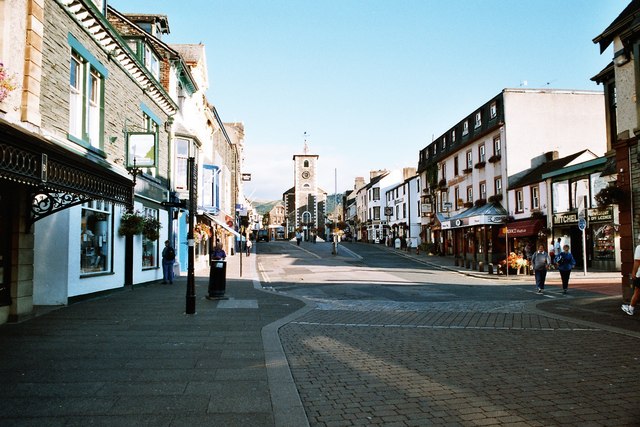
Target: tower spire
306, 145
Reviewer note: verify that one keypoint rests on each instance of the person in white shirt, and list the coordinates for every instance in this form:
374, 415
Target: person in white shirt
635, 276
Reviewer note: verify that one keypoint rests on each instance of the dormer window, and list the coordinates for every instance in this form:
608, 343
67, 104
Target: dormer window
453, 136
493, 110
465, 127
478, 119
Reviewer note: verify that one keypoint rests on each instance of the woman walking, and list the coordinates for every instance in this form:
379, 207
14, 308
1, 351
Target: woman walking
565, 262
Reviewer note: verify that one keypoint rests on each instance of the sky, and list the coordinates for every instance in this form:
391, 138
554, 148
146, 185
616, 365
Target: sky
372, 82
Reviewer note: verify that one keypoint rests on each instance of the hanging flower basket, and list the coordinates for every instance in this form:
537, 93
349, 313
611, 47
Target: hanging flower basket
7, 83
131, 224
151, 228
610, 195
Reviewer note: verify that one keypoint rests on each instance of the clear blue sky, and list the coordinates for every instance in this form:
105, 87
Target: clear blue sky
373, 81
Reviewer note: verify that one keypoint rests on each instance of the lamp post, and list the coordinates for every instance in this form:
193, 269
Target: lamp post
191, 286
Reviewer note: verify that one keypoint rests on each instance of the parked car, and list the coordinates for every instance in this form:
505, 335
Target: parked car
263, 236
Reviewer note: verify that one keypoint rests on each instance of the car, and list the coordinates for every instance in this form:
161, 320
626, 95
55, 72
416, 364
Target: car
263, 236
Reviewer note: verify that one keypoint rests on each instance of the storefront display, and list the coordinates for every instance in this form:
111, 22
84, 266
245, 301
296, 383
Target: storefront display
95, 235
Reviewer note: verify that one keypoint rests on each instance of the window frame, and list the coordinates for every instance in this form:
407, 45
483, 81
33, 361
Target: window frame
535, 197
519, 195
482, 154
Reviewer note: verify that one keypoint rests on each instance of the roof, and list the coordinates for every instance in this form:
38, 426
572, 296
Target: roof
534, 175
627, 20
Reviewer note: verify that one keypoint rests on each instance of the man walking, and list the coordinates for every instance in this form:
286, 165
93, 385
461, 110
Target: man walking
540, 262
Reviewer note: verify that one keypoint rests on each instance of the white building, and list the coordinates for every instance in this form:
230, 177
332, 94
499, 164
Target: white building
403, 207
464, 171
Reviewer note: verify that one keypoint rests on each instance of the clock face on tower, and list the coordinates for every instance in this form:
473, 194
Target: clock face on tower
305, 175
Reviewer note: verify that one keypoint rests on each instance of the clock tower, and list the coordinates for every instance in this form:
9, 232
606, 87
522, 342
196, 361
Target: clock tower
305, 202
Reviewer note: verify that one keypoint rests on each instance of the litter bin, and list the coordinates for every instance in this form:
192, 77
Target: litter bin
217, 278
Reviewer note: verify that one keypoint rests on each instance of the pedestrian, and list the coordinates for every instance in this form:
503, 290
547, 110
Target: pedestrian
565, 262
168, 258
557, 247
218, 252
635, 277
540, 262
527, 251
248, 246
298, 237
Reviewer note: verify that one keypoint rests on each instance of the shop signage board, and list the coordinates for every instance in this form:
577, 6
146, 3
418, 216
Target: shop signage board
593, 215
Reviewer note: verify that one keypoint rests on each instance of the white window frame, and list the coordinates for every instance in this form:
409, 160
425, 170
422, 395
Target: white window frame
86, 97
497, 185
469, 159
497, 145
465, 127
535, 197
493, 110
519, 201
482, 157
478, 119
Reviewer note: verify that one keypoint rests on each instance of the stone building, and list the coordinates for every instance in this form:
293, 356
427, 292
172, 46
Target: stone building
305, 202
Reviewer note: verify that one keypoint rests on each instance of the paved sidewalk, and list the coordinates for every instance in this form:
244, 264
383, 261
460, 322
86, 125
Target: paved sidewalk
133, 357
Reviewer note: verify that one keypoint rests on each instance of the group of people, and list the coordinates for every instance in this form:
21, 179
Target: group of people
562, 259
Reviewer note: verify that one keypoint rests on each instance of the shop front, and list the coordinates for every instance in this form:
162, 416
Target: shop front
602, 241
523, 237
474, 234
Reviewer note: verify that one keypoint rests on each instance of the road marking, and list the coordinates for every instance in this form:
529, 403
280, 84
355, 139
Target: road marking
392, 325
261, 270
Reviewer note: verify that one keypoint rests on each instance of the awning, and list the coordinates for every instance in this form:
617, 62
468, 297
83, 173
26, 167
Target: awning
223, 225
527, 227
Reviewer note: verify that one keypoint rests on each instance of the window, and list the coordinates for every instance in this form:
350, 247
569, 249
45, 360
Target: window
497, 146
444, 143
456, 171
453, 136
483, 190
469, 194
397, 211
444, 170
151, 62
306, 163
478, 120
465, 127
376, 193
535, 198
182, 154
149, 247
497, 184
456, 196
580, 193
519, 201
481, 154
86, 96
493, 110
96, 235
404, 210
469, 159
376, 212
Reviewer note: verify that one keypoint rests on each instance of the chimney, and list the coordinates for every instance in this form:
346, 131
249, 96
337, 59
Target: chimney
359, 183
544, 158
408, 173
375, 174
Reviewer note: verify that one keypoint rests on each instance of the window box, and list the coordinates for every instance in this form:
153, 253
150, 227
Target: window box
495, 198
442, 184
537, 215
468, 204
467, 170
610, 195
480, 165
495, 158
480, 202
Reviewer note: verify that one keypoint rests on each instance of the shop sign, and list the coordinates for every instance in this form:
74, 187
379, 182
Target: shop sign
565, 218
600, 214
426, 208
445, 225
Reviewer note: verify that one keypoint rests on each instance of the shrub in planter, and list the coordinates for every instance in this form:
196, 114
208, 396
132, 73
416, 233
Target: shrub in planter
131, 223
495, 198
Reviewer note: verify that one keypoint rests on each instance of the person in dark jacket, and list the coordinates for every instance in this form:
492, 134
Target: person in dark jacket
565, 262
168, 259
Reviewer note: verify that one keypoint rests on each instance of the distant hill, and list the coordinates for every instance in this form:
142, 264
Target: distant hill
264, 207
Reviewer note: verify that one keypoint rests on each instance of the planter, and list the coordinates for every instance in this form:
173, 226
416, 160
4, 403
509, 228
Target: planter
131, 224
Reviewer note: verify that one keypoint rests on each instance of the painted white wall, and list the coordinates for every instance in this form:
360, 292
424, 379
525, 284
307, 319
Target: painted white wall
52, 259
538, 121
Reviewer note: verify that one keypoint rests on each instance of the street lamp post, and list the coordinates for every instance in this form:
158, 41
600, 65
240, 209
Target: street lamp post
191, 285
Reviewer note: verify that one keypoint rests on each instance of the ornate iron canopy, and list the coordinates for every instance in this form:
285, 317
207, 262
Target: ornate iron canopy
60, 178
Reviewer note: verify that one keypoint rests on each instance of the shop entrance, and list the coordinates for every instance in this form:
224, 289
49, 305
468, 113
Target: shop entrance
6, 223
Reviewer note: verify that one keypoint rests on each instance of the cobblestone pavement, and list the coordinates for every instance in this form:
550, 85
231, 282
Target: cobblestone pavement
396, 364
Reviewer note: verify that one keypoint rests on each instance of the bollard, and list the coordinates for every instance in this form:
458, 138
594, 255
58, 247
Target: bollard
217, 278
481, 266
490, 268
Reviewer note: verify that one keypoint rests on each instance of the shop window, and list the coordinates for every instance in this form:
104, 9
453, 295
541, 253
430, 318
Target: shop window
96, 236
560, 196
149, 247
